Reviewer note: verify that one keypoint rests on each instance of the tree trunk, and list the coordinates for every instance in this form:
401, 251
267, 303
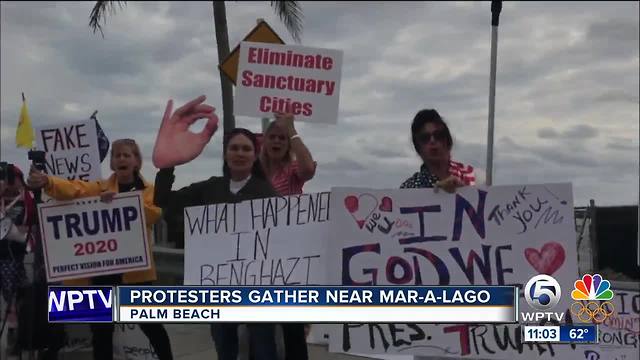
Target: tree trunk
222, 40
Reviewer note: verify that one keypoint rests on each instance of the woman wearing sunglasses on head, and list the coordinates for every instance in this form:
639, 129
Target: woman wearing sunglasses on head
126, 162
288, 165
433, 142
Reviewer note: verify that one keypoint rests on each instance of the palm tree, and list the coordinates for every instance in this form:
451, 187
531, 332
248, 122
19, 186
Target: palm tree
289, 12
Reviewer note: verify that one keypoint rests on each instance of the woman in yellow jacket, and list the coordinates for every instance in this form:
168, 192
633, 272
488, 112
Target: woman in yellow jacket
126, 162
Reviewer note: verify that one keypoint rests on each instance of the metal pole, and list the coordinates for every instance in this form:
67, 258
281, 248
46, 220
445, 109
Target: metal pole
496, 7
265, 121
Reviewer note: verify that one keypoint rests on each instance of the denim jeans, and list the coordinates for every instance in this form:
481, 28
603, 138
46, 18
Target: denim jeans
261, 339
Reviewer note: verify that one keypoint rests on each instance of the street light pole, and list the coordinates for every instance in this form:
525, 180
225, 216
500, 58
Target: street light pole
496, 7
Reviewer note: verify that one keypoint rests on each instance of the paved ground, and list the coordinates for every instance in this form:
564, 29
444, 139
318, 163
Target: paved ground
189, 342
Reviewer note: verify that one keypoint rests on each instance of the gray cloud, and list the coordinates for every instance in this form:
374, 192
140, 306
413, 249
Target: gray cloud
567, 75
581, 131
547, 133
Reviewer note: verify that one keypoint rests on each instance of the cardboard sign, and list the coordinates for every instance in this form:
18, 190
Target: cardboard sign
273, 241
90, 238
301, 80
72, 150
501, 235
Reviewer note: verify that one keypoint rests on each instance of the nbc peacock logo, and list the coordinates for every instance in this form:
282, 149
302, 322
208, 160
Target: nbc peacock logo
596, 291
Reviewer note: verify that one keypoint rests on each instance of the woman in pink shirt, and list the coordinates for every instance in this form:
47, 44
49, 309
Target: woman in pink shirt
288, 164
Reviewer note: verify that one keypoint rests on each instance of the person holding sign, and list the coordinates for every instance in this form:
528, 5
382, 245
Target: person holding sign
243, 179
126, 161
433, 142
17, 216
288, 164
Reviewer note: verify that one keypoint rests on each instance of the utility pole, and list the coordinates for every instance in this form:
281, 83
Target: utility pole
496, 7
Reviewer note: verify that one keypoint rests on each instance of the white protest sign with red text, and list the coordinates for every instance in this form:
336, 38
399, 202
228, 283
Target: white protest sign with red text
87, 237
72, 150
288, 78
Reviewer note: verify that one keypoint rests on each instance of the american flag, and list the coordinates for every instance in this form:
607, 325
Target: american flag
103, 140
463, 172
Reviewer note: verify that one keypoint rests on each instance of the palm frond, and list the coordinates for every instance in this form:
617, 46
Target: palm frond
99, 13
290, 14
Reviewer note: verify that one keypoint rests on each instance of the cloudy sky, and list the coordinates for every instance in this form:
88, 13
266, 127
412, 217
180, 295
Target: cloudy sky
567, 84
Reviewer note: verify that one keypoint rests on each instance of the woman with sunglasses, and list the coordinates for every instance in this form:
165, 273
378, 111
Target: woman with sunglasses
243, 179
433, 143
126, 162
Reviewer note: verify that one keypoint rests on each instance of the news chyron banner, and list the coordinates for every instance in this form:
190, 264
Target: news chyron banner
87, 237
305, 304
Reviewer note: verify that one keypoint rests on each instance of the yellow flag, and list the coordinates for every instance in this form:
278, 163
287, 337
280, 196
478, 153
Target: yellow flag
24, 132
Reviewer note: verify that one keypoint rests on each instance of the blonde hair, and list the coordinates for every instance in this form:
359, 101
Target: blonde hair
264, 155
133, 146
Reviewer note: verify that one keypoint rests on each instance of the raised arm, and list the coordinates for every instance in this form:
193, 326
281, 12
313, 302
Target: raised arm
165, 197
63, 189
306, 165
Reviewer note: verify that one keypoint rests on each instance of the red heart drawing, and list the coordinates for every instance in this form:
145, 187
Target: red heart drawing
386, 205
351, 203
361, 207
547, 260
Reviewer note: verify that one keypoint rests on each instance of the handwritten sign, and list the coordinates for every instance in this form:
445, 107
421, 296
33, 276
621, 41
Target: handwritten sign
130, 343
288, 78
88, 237
72, 150
619, 334
273, 241
500, 235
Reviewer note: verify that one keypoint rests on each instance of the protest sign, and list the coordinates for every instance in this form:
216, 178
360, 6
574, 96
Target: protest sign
501, 235
262, 33
72, 150
272, 241
301, 80
130, 343
88, 237
619, 334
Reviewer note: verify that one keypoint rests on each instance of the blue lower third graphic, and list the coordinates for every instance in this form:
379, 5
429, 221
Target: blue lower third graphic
579, 333
81, 304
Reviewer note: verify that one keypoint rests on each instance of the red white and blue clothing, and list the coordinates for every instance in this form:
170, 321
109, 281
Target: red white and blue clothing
426, 179
288, 181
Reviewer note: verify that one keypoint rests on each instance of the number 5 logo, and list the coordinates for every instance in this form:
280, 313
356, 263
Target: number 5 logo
542, 292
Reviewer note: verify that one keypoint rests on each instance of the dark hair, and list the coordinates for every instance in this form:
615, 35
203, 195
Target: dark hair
256, 170
424, 117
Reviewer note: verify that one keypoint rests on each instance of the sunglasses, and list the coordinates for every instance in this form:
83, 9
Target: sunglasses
438, 135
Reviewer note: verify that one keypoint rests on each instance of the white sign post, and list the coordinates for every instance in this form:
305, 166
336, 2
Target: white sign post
72, 149
302, 80
87, 237
273, 241
501, 235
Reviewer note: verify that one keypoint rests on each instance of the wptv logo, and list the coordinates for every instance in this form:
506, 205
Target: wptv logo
543, 292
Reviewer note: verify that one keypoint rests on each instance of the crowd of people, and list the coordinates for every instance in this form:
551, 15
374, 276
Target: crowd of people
281, 165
